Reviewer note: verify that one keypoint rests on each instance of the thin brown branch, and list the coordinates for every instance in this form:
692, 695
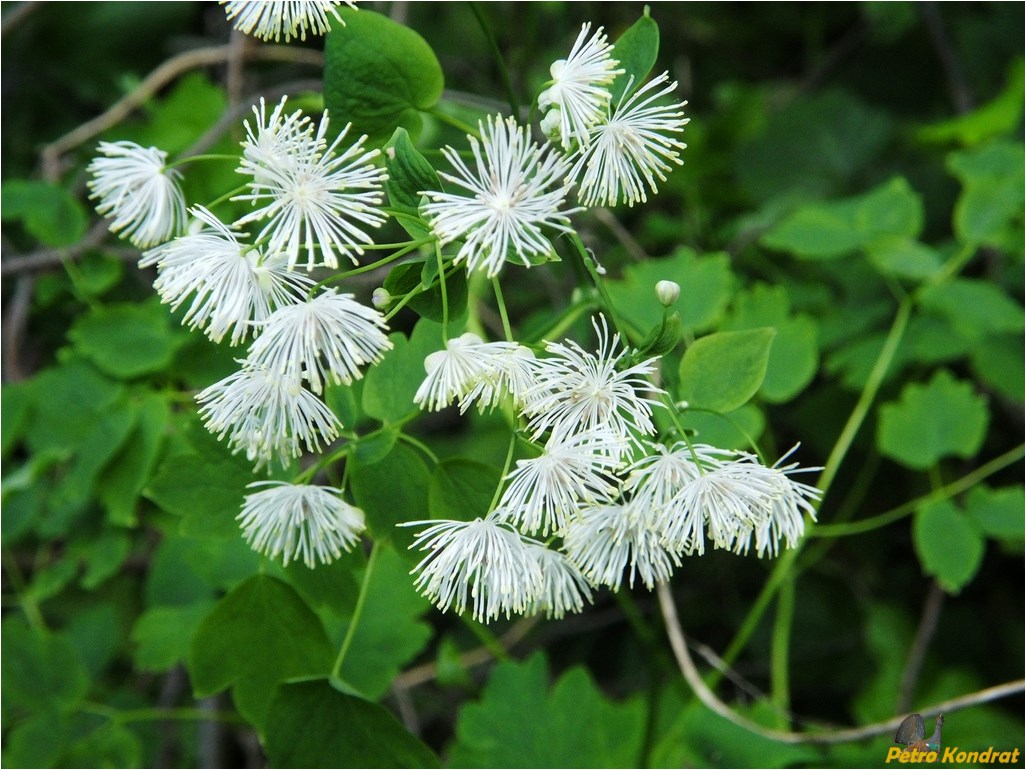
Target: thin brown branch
160, 77
17, 16
479, 655
15, 321
714, 704
634, 250
917, 653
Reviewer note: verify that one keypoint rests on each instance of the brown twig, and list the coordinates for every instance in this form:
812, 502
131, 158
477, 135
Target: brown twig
634, 250
160, 77
17, 16
14, 328
917, 653
426, 672
714, 704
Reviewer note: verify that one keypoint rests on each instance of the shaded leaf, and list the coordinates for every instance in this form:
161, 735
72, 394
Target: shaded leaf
948, 544
722, 371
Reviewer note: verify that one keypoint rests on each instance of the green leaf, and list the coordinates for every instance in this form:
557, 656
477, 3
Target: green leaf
162, 635
899, 257
390, 631
310, 724
942, 418
41, 670
391, 490
975, 308
391, 385
997, 512
995, 118
181, 117
121, 483
999, 363
794, 356
125, 340
462, 489
427, 303
54, 427
519, 722
109, 745
992, 196
409, 174
948, 544
212, 499
103, 556
636, 50
733, 430
49, 213
15, 410
722, 371
260, 634
379, 75
706, 283
836, 228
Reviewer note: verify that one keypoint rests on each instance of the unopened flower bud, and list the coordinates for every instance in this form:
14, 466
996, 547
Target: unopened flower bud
380, 298
667, 292
550, 124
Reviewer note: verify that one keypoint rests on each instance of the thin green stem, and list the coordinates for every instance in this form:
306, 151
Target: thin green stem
194, 158
162, 714
445, 296
953, 266
945, 492
787, 561
868, 395
567, 319
78, 284
607, 301
501, 302
227, 196
489, 640
354, 622
505, 471
780, 676
453, 121
416, 442
28, 604
507, 83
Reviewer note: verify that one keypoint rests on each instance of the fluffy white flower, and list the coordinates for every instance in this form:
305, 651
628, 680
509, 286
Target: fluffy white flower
545, 492
482, 564
514, 191
606, 539
292, 520
312, 200
578, 94
270, 145
577, 392
269, 19
326, 338
653, 480
472, 370
266, 416
563, 588
138, 191
633, 147
734, 498
232, 285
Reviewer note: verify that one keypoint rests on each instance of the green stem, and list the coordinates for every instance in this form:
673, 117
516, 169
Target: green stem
505, 471
28, 604
416, 442
501, 302
489, 640
195, 158
507, 83
607, 301
566, 320
445, 296
453, 121
779, 655
868, 395
784, 565
227, 196
361, 600
160, 715
941, 493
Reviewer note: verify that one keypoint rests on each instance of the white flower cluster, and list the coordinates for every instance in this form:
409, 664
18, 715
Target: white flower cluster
516, 190
622, 505
314, 197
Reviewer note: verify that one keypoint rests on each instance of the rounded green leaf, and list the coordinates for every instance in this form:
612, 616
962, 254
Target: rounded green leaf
260, 634
948, 545
975, 307
49, 213
390, 386
942, 418
310, 724
997, 512
125, 340
722, 371
391, 490
900, 257
41, 670
379, 75
461, 489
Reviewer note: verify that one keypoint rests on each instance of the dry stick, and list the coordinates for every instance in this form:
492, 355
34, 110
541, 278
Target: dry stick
428, 671
917, 653
14, 328
160, 77
17, 16
713, 703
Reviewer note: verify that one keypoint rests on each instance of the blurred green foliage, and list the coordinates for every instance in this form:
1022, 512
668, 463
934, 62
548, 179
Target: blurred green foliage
846, 163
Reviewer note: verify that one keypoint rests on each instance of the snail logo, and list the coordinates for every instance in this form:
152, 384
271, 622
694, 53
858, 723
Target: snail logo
911, 733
